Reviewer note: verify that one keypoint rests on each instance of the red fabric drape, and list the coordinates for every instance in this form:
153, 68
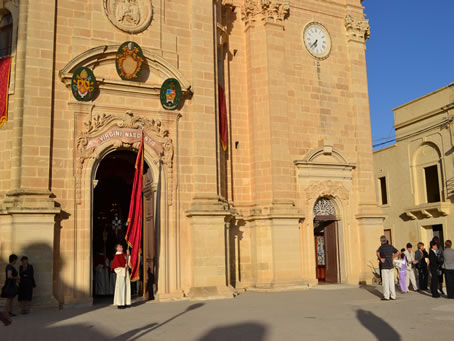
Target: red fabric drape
134, 232
222, 118
5, 65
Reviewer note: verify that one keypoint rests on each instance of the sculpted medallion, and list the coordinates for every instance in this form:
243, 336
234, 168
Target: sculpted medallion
132, 16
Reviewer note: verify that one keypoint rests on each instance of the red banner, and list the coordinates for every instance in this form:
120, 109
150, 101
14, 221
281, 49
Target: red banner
222, 118
134, 232
5, 65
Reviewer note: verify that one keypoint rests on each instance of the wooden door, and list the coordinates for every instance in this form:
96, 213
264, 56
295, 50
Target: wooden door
331, 245
149, 250
320, 257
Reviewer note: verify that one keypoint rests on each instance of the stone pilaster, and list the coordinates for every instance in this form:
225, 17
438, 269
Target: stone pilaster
265, 40
210, 267
369, 216
28, 223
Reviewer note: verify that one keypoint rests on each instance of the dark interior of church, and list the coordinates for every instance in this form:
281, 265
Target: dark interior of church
112, 195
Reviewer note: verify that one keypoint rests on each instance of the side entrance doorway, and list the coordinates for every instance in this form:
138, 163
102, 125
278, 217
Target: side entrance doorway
326, 239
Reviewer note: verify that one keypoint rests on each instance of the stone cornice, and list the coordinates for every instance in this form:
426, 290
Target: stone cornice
266, 11
30, 201
358, 30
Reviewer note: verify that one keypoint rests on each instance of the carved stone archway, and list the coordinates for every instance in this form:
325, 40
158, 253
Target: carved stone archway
124, 132
102, 135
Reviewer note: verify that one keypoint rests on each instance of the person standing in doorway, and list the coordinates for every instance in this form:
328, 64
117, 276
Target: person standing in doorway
122, 295
411, 262
434, 266
386, 253
448, 256
26, 285
421, 264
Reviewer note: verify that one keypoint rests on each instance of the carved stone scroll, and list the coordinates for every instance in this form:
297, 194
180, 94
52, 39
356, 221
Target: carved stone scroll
327, 189
357, 29
268, 11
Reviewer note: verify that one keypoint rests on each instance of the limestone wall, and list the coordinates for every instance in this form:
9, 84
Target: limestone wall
424, 139
298, 129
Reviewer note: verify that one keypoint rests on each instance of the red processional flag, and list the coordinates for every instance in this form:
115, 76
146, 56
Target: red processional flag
134, 232
5, 65
222, 118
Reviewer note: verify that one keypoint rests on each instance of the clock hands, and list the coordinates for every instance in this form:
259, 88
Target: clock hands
314, 44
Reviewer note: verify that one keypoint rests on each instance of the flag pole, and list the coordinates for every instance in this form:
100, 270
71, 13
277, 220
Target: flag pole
141, 190
126, 270
134, 231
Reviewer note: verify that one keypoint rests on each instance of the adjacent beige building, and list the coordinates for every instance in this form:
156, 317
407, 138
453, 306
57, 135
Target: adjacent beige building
415, 177
290, 202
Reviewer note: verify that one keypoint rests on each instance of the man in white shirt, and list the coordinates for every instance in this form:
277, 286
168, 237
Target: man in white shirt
410, 267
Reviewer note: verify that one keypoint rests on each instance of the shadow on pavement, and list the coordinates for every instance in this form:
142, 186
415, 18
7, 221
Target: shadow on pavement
139, 332
372, 289
425, 293
377, 326
248, 331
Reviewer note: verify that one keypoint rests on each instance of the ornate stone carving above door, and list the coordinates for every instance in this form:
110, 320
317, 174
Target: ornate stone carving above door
123, 132
132, 16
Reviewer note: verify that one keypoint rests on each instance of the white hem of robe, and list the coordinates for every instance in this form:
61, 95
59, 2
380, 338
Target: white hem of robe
119, 295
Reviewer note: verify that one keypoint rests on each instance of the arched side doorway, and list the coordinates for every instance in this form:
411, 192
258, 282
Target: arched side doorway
326, 238
113, 180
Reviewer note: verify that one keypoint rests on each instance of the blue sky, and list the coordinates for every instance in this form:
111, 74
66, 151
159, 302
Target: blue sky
409, 54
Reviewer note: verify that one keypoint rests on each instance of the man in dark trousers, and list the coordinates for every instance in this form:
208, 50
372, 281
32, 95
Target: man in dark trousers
448, 257
434, 266
386, 253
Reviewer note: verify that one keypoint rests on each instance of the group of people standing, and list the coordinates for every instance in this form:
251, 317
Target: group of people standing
26, 280
437, 261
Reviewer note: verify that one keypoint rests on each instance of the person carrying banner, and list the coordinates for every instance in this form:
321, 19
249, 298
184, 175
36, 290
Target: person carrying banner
122, 295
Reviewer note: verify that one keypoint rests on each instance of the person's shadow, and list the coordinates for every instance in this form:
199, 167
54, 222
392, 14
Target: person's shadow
247, 331
377, 326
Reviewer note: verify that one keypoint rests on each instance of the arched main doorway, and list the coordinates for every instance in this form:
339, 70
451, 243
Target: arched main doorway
326, 239
111, 198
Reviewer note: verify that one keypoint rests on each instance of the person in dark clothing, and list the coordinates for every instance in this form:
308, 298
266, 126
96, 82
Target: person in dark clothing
26, 285
420, 256
386, 253
434, 266
448, 256
9, 291
439, 252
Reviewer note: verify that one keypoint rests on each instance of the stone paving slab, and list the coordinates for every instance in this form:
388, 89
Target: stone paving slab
324, 313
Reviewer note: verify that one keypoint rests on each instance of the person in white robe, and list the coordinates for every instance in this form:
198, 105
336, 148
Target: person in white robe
122, 294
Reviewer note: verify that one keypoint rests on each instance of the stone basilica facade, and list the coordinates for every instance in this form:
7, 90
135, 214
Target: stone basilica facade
288, 203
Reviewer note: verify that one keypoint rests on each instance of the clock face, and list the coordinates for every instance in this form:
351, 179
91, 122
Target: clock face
317, 40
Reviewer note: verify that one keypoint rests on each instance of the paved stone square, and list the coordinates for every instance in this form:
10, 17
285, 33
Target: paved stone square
326, 312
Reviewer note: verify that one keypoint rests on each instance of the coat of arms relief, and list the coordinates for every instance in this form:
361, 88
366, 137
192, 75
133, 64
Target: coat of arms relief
132, 16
